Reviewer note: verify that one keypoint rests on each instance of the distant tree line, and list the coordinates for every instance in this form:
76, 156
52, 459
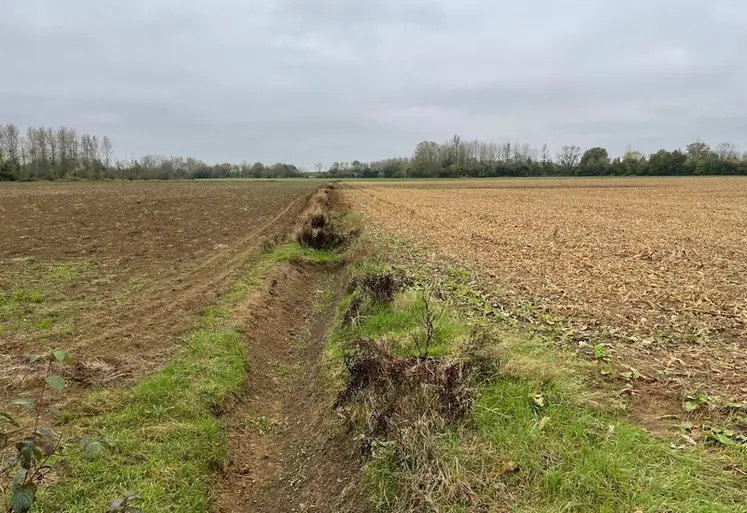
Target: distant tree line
459, 158
64, 154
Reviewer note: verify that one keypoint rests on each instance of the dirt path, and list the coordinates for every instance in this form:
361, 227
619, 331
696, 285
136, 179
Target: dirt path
285, 454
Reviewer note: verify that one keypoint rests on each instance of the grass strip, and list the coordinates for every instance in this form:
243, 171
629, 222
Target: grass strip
165, 442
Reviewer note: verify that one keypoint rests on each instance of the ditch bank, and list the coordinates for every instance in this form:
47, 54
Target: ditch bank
286, 454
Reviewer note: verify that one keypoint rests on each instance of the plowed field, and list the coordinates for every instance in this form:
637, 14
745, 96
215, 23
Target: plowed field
117, 272
658, 265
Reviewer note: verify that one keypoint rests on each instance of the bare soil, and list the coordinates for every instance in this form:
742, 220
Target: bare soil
148, 257
286, 453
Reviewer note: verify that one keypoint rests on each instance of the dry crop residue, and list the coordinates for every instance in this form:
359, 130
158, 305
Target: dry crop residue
662, 261
116, 272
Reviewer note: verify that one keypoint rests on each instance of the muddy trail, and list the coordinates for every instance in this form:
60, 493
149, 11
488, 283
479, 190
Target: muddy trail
285, 454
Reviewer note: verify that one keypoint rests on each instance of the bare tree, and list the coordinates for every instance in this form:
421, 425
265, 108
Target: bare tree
95, 149
569, 157
505, 153
488, 152
545, 154
107, 151
52, 143
86, 151
727, 151
31, 152
524, 153
10, 146
43, 145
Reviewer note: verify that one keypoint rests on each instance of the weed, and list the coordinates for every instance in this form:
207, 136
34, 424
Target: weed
43, 324
601, 352
67, 271
321, 226
41, 452
696, 400
429, 318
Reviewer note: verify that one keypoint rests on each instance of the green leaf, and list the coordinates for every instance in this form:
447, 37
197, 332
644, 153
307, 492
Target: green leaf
92, 450
23, 498
116, 505
62, 357
6, 418
690, 406
25, 401
56, 382
718, 436
35, 358
45, 432
27, 455
18, 478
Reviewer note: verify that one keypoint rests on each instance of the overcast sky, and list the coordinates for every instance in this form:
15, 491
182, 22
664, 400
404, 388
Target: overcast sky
308, 81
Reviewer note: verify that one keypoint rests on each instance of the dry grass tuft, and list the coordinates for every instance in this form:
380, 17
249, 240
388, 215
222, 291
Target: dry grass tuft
320, 226
98, 372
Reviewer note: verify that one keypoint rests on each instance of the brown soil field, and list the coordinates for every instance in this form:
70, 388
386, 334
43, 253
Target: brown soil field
655, 268
117, 272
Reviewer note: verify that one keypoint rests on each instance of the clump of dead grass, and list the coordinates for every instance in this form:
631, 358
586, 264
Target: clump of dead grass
372, 284
321, 225
95, 372
404, 406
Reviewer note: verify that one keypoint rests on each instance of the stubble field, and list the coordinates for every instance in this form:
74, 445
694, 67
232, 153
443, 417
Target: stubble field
116, 272
650, 273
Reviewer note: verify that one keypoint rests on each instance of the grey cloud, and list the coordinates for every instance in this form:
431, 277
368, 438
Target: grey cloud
322, 80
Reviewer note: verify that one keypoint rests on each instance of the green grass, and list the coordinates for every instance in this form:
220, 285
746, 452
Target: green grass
167, 442
297, 253
400, 323
591, 460
540, 438
22, 309
67, 271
